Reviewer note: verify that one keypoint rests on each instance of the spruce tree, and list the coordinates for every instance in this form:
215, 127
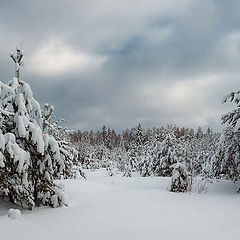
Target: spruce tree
180, 178
226, 161
132, 161
167, 154
147, 159
28, 157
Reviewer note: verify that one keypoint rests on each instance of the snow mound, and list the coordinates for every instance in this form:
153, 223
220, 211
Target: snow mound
14, 213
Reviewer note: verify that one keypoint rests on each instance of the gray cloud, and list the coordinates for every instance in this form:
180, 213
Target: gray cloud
152, 62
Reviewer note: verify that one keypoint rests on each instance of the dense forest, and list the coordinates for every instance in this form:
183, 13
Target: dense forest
151, 152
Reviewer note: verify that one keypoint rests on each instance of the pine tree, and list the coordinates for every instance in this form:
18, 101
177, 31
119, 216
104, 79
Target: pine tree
104, 135
180, 178
139, 138
147, 159
28, 157
121, 156
167, 154
132, 161
89, 158
68, 151
199, 133
226, 161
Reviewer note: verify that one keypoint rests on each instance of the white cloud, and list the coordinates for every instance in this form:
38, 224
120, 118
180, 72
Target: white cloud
58, 58
185, 101
111, 24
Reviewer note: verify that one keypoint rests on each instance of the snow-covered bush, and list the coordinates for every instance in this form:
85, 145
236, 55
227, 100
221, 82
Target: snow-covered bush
202, 186
180, 178
28, 156
14, 213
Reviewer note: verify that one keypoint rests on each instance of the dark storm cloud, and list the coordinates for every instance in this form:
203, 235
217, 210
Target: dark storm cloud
105, 62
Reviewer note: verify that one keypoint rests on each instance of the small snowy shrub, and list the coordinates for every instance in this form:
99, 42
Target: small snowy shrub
180, 178
202, 186
199, 185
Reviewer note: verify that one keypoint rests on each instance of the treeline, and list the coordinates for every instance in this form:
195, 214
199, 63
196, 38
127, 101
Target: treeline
151, 152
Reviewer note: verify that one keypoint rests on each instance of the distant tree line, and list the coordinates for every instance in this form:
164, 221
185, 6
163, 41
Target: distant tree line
180, 153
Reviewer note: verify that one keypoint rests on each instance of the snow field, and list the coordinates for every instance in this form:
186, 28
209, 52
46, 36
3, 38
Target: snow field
134, 208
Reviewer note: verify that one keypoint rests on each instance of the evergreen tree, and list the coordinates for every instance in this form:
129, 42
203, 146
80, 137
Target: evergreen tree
68, 152
180, 178
167, 154
28, 157
132, 161
147, 159
226, 161
139, 138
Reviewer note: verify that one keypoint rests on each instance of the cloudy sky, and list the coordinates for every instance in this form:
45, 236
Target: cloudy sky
119, 63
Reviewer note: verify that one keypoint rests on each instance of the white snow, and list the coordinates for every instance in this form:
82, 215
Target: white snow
21, 126
36, 107
14, 213
14, 83
37, 136
137, 208
5, 90
20, 102
16, 152
27, 90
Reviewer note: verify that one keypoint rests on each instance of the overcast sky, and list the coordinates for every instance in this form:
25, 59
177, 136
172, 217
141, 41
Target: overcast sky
121, 62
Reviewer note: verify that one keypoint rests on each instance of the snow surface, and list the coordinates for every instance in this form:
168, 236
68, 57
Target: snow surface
136, 208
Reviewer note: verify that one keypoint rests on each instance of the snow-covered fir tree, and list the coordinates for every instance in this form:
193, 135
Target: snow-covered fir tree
121, 156
68, 151
167, 153
147, 159
225, 163
28, 157
132, 161
89, 160
221, 164
180, 179
139, 139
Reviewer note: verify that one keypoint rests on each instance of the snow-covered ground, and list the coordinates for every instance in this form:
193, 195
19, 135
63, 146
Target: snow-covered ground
103, 208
